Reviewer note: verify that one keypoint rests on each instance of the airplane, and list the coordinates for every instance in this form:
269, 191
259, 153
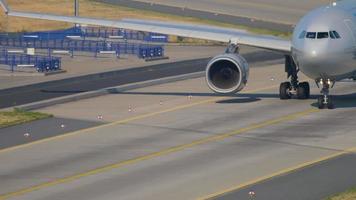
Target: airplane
323, 47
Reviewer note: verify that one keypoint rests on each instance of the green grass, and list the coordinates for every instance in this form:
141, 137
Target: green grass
18, 116
348, 195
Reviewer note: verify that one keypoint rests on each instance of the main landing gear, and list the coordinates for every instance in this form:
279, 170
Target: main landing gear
294, 87
301, 90
325, 101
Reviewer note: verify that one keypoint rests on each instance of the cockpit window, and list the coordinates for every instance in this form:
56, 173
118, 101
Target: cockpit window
302, 35
311, 35
334, 35
322, 35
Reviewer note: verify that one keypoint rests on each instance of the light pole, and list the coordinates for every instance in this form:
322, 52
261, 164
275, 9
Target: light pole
76, 8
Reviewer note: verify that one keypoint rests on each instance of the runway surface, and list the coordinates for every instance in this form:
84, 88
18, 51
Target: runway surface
179, 141
270, 14
64, 87
41, 129
315, 182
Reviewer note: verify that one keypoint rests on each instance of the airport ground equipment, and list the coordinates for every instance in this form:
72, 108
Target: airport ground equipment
40, 63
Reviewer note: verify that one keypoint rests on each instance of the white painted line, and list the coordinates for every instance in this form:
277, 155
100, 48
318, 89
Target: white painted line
158, 37
73, 36
30, 36
15, 51
107, 52
25, 65
116, 37
60, 52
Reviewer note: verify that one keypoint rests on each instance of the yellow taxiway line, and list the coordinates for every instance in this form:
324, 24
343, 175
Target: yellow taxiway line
125, 121
164, 152
278, 173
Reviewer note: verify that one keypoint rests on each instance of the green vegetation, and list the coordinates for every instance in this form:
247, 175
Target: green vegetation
348, 195
18, 116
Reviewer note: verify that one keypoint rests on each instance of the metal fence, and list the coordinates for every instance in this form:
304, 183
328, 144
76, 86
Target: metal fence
40, 63
96, 32
95, 47
53, 35
104, 32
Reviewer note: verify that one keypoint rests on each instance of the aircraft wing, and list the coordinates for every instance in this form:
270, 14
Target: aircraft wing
184, 30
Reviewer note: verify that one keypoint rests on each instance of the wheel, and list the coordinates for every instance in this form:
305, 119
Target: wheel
284, 90
321, 104
330, 103
303, 90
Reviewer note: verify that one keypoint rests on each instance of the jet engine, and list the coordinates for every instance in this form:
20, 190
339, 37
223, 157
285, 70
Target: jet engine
227, 73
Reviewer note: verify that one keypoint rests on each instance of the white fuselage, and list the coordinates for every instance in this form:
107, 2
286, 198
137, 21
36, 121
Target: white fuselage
324, 44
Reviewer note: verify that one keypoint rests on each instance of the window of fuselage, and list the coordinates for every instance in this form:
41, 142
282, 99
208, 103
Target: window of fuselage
323, 35
311, 35
302, 35
335, 35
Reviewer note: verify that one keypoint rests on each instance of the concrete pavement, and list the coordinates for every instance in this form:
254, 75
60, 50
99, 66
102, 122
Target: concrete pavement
178, 141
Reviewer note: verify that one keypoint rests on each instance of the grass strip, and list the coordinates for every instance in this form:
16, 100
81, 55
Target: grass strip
18, 116
348, 195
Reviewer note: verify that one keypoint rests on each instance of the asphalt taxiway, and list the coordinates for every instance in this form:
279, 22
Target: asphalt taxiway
179, 141
41, 129
318, 181
16, 96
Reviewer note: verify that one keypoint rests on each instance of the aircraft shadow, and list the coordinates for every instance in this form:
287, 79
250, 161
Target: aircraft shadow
341, 101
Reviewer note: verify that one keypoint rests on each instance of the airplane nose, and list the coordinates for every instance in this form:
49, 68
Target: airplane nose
310, 56
313, 52
317, 59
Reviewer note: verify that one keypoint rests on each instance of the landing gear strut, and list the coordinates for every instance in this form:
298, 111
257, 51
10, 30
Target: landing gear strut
325, 101
294, 87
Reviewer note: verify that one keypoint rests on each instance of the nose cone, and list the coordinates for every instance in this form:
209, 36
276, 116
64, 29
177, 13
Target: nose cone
314, 58
319, 59
312, 55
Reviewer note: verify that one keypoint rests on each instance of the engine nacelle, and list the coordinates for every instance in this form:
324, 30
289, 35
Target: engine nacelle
227, 73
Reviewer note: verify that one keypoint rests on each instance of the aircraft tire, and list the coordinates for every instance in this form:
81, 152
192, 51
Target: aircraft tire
303, 90
284, 91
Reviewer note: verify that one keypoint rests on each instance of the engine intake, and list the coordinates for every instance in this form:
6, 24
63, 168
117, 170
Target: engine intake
227, 73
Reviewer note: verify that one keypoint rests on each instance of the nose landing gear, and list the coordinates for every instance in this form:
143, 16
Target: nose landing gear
325, 101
